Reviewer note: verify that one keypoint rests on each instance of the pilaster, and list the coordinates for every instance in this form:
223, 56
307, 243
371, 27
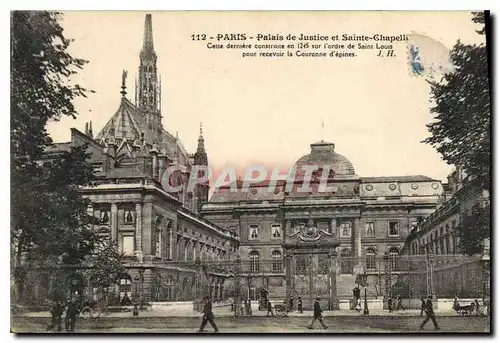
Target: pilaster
114, 222
138, 227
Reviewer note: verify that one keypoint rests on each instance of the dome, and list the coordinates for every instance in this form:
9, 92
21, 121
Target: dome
323, 154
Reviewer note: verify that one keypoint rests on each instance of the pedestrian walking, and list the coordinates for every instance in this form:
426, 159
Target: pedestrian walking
299, 305
476, 307
400, 303
269, 308
56, 313
208, 315
389, 304
71, 314
290, 304
318, 315
422, 306
135, 313
358, 305
456, 304
429, 312
249, 307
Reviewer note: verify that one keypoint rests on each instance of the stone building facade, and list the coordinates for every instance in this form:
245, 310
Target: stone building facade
369, 217
161, 233
454, 274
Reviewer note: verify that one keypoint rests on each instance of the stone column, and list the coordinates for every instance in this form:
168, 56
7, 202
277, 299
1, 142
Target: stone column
357, 238
289, 276
114, 223
138, 227
288, 228
237, 290
333, 301
451, 248
333, 226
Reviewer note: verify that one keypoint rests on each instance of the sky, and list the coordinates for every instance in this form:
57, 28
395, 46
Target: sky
268, 110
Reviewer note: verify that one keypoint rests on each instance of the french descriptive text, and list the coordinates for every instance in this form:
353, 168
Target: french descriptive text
277, 45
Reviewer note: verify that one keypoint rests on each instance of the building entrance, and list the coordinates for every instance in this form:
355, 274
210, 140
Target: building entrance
311, 266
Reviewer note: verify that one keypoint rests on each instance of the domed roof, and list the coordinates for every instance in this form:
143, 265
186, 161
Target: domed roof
323, 154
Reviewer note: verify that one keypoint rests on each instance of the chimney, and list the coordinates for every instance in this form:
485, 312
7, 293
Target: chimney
90, 130
86, 128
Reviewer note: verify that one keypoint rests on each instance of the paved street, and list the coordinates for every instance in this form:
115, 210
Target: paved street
337, 324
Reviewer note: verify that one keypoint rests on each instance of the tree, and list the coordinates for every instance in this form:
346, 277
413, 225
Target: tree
106, 266
473, 230
461, 130
48, 215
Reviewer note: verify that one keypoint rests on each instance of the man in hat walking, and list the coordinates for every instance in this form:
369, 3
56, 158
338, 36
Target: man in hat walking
318, 312
208, 315
429, 311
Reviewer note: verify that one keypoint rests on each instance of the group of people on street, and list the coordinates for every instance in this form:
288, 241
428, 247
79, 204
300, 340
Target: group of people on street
56, 312
399, 304
299, 305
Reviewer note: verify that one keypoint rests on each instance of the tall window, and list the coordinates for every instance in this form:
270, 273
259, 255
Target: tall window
254, 261
253, 232
370, 259
394, 228
168, 241
104, 219
369, 229
277, 261
276, 231
345, 261
169, 285
158, 242
394, 257
128, 245
345, 229
129, 216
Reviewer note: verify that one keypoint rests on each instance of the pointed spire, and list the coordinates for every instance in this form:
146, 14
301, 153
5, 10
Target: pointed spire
201, 140
135, 99
124, 81
148, 34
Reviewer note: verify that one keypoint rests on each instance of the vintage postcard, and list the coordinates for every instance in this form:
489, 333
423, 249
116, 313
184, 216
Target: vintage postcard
250, 172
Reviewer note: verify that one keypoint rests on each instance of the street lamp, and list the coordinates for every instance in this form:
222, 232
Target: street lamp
141, 277
362, 280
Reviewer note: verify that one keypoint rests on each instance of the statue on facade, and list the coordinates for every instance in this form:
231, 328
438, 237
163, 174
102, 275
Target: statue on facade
140, 256
309, 233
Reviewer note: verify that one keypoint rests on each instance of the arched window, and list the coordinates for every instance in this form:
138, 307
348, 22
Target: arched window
370, 259
158, 242
254, 261
277, 261
186, 252
345, 261
394, 257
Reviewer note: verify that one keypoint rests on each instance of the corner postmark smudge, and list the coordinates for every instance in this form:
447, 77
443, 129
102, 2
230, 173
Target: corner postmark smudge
428, 57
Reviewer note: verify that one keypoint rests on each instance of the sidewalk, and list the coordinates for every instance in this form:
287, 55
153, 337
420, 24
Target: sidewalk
225, 312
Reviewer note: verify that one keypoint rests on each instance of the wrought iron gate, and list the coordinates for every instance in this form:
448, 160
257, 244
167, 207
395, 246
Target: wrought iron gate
311, 277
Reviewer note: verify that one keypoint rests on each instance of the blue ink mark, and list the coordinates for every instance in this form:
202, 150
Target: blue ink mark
416, 64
